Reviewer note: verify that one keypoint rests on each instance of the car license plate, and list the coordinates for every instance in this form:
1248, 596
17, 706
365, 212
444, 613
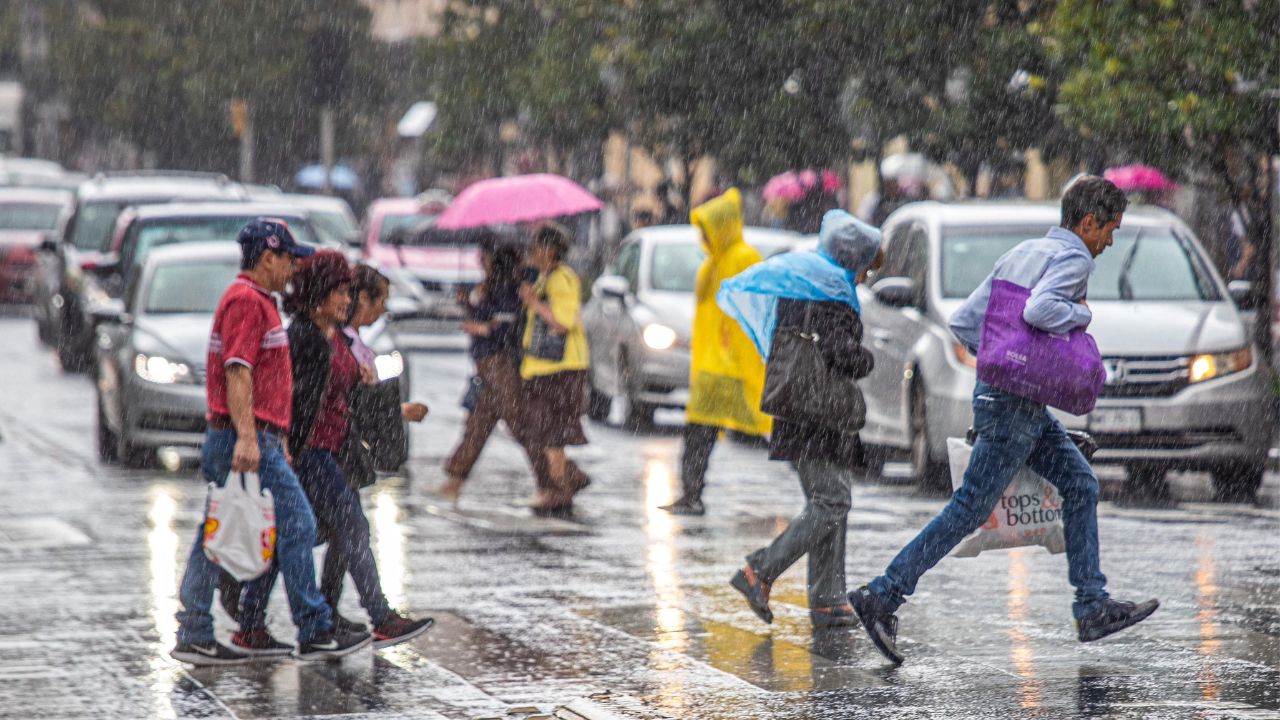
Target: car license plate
1116, 420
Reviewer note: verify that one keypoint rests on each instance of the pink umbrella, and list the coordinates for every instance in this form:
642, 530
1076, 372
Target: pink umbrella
1137, 178
517, 199
792, 186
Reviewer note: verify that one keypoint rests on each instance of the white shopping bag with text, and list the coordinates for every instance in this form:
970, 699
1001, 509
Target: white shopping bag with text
240, 526
1029, 512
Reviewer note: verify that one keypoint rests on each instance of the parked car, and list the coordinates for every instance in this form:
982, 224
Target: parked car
331, 216
28, 218
152, 346
87, 233
140, 229
640, 316
1184, 389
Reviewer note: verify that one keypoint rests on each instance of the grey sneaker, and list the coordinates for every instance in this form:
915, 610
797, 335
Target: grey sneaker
1112, 616
880, 624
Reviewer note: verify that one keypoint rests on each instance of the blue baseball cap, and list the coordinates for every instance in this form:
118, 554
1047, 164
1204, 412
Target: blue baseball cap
271, 234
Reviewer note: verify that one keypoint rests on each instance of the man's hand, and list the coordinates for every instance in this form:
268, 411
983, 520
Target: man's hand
476, 328
413, 411
246, 456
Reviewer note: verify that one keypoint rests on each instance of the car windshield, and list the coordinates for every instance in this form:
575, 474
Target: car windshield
332, 226
188, 287
675, 265
392, 223
93, 225
1142, 264
29, 216
174, 231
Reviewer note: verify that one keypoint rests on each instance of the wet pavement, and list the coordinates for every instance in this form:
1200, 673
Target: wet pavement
621, 611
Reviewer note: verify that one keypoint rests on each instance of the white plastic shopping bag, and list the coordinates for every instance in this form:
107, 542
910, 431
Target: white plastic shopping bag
1029, 512
240, 526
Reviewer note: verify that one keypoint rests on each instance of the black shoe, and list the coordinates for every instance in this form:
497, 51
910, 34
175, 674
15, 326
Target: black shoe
332, 645
880, 624
210, 653
685, 507
1112, 616
755, 590
397, 629
259, 643
341, 624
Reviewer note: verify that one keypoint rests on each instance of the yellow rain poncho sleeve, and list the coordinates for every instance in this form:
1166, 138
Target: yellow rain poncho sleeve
726, 373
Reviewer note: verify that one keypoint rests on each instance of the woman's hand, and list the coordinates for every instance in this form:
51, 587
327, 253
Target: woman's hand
413, 411
528, 295
476, 328
368, 376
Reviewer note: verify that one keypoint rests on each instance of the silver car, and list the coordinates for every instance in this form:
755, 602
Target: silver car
152, 346
640, 316
1184, 388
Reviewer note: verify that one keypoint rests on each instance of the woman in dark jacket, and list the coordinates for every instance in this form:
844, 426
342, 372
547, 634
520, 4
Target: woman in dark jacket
325, 371
823, 457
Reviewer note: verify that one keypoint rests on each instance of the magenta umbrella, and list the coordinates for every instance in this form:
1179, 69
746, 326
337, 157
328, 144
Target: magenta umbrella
1137, 178
517, 199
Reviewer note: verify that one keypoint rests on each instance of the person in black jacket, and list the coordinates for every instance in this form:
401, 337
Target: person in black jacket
325, 371
823, 457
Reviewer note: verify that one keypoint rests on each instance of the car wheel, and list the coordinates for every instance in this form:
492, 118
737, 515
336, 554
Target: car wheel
130, 454
639, 413
1238, 482
107, 441
75, 358
598, 403
1146, 484
928, 474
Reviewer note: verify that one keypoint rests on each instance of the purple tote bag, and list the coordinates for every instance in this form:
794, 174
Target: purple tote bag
1062, 371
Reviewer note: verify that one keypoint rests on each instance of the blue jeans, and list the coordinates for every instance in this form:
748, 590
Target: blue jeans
295, 538
338, 510
1012, 432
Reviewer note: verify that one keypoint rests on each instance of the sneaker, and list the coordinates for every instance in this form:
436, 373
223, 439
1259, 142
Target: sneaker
259, 643
207, 653
755, 591
397, 629
880, 624
1112, 616
332, 645
341, 624
835, 616
685, 507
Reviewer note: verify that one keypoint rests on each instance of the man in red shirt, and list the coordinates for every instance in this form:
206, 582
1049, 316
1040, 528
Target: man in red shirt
250, 394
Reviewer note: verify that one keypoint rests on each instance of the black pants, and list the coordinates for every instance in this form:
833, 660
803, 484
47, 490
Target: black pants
699, 441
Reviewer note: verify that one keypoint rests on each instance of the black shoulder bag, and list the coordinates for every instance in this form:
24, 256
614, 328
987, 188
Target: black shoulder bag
800, 388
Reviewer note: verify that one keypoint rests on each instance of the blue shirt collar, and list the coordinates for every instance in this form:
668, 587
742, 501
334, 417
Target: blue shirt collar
1072, 239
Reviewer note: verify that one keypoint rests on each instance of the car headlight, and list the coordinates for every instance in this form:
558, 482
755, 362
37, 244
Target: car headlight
389, 365
162, 370
659, 337
1207, 367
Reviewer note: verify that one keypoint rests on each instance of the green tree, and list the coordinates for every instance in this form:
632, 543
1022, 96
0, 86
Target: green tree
1188, 86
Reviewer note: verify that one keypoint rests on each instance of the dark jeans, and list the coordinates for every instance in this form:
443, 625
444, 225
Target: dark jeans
1012, 432
819, 531
295, 537
338, 508
699, 441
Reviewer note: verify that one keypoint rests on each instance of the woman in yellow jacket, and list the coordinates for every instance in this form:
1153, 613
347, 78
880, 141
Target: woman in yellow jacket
554, 367
726, 375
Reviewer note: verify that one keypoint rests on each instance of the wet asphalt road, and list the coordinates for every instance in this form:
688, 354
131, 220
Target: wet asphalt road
622, 611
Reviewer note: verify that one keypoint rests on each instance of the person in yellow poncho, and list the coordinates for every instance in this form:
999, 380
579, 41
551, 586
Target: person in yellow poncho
726, 374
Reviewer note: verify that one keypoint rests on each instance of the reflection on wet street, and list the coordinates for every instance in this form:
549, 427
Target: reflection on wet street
622, 611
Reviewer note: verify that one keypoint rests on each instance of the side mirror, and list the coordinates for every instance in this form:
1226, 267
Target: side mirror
111, 310
402, 308
48, 244
611, 286
1242, 292
898, 292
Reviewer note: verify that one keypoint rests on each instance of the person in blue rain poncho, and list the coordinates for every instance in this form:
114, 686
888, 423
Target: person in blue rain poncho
816, 291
